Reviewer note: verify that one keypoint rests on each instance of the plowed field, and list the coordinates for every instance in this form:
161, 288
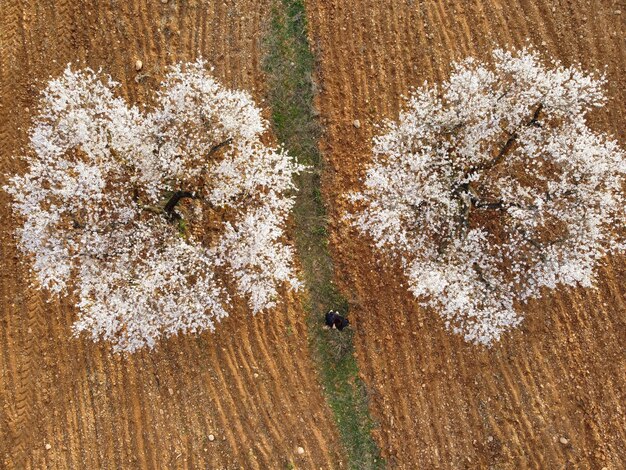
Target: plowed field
553, 393
67, 403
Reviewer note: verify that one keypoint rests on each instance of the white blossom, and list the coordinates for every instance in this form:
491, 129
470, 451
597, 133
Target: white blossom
154, 219
492, 187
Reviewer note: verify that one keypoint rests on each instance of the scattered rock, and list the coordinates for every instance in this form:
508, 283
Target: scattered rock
563, 441
163, 1
300, 450
211, 437
138, 65
255, 375
356, 123
170, 391
489, 438
618, 12
48, 447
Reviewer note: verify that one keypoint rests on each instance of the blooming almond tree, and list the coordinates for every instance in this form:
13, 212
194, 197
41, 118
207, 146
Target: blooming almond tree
492, 188
153, 220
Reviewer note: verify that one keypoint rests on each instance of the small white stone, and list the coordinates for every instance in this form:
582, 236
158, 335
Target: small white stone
356, 123
170, 391
211, 437
255, 375
48, 447
138, 65
489, 438
300, 450
563, 441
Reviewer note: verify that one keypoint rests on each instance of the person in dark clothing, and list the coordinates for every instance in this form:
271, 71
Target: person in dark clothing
330, 318
334, 320
341, 322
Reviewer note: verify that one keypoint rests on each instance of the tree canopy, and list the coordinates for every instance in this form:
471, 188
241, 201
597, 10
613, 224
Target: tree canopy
492, 188
154, 219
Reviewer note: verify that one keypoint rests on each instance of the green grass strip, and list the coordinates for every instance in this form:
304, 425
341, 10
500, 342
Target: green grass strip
289, 64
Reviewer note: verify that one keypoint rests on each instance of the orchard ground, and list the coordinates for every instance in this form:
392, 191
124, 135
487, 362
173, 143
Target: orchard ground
68, 403
441, 402
550, 395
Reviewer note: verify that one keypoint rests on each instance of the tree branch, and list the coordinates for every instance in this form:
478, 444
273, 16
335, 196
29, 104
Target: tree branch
510, 141
477, 269
463, 190
500, 205
175, 199
217, 147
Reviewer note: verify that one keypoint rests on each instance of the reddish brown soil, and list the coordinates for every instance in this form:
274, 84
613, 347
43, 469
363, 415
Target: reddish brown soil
153, 409
439, 402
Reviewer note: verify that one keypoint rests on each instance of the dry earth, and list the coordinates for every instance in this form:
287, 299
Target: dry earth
251, 385
441, 403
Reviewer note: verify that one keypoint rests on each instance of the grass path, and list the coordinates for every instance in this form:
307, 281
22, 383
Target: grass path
290, 64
